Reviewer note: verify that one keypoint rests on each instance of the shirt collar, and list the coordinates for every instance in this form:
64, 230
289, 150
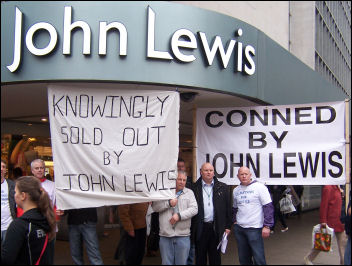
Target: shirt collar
205, 184
252, 182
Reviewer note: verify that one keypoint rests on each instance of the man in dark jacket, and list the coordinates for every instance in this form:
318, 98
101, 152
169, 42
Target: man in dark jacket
214, 215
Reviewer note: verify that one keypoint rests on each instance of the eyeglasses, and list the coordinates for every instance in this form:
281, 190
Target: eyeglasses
38, 168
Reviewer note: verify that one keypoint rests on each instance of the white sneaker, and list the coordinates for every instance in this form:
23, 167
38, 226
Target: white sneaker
307, 261
284, 230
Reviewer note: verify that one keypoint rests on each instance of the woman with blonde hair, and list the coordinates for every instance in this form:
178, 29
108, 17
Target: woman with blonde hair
28, 236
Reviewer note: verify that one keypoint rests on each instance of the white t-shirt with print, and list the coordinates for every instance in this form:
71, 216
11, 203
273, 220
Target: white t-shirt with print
6, 217
250, 200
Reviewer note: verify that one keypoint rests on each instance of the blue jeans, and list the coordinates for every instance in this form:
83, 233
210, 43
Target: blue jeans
174, 250
192, 254
347, 257
250, 245
87, 233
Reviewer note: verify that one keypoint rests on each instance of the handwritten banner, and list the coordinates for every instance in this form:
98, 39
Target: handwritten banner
282, 145
111, 146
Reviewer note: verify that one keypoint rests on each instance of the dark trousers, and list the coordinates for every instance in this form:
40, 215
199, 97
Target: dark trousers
135, 247
206, 247
153, 238
250, 245
50, 250
279, 215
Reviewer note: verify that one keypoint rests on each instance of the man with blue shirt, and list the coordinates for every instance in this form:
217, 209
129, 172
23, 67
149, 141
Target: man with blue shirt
253, 215
214, 215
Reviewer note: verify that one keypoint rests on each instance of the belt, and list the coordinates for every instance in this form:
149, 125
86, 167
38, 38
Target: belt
208, 223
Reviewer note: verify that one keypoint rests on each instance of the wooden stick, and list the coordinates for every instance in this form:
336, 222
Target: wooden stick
194, 141
347, 165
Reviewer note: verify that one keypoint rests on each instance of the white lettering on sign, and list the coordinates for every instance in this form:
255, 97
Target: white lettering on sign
180, 40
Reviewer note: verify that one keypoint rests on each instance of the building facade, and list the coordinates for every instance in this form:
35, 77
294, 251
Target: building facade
316, 32
289, 46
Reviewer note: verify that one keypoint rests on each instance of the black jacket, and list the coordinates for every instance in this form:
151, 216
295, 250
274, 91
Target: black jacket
25, 239
81, 216
277, 193
222, 209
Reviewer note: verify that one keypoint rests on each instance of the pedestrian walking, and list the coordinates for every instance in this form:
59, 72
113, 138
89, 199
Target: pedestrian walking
330, 212
277, 192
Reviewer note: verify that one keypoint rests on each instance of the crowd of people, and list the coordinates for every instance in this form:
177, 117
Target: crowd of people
190, 225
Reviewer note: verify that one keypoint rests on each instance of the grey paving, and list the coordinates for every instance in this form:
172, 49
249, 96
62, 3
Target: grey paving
287, 248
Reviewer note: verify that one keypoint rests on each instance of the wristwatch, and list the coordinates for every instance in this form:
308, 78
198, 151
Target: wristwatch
265, 226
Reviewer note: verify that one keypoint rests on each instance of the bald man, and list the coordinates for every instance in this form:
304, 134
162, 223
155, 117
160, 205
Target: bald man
214, 215
253, 216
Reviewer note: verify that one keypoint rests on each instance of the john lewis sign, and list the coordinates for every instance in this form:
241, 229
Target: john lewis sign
181, 39
158, 43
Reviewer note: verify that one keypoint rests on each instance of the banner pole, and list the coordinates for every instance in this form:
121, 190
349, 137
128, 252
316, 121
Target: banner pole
347, 165
194, 142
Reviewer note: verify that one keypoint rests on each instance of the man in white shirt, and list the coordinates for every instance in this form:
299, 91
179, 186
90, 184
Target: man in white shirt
253, 215
8, 205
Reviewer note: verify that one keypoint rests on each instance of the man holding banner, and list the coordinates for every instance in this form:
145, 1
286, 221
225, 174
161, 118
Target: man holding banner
175, 223
214, 215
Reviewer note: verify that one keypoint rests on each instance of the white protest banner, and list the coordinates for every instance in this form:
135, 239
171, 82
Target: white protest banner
282, 145
113, 147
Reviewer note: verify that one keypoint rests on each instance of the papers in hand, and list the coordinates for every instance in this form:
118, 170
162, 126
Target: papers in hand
223, 243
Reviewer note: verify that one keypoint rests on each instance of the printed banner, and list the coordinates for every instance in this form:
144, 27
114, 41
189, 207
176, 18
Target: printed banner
113, 147
282, 145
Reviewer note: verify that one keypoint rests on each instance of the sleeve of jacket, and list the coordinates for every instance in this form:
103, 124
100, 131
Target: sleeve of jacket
192, 209
229, 209
160, 206
15, 237
324, 204
125, 218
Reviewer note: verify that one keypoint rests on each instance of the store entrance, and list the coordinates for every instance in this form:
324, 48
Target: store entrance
25, 128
